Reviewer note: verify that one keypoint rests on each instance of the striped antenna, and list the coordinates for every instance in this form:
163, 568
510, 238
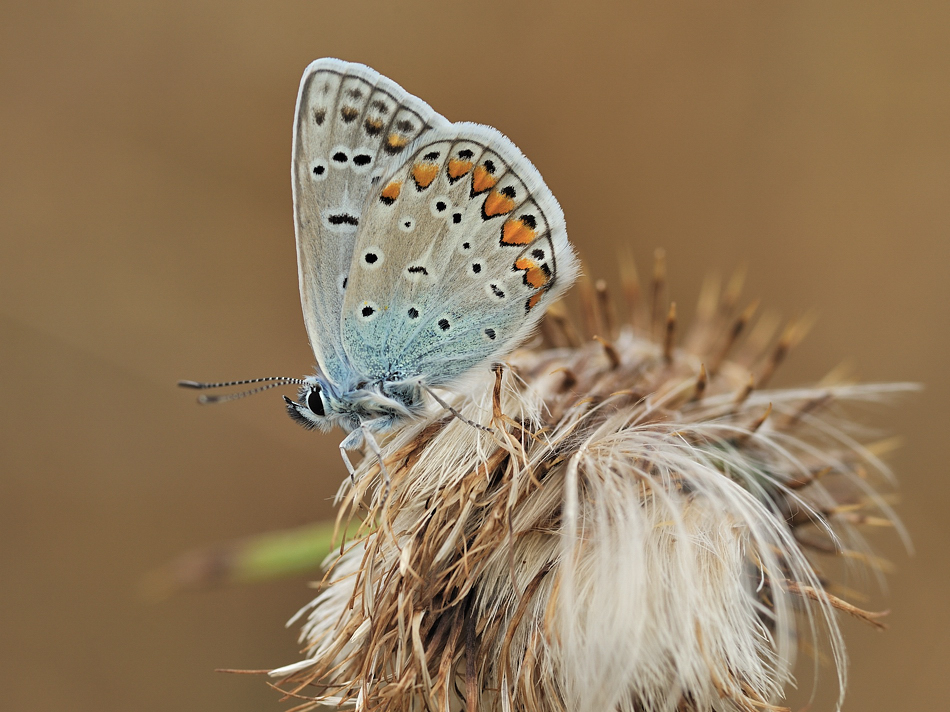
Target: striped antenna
270, 381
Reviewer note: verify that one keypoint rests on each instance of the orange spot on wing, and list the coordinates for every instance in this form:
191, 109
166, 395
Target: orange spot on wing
534, 276
456, 168
373, 126
516, 232
391, 192
497, 204
533, 300
424, 173
395, 143
482, 180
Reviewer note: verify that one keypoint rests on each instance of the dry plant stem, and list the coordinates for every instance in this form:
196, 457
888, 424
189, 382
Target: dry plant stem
633, 533
659, 291
605, 309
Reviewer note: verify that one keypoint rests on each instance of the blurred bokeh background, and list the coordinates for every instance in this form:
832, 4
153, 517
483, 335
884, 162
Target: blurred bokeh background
147, 236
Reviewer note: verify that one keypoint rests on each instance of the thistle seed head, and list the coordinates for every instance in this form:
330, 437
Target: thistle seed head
638, 531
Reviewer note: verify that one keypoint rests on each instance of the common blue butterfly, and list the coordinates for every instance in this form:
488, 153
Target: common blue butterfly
426, 249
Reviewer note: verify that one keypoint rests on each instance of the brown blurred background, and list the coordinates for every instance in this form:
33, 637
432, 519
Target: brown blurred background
147, 236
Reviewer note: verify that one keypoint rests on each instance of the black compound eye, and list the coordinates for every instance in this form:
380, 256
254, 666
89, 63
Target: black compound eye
315, 402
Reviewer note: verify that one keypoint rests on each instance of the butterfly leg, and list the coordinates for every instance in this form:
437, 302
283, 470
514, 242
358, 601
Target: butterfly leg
455, 412
349, 442
374, 446
364, 434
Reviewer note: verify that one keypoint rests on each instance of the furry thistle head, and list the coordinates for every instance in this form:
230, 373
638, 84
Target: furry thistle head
637, 533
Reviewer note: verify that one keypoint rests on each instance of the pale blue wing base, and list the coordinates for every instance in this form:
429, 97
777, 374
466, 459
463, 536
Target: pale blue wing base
459, 252
351, 127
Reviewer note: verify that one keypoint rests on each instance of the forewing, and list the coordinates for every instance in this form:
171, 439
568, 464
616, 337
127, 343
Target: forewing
458, 254
351, 127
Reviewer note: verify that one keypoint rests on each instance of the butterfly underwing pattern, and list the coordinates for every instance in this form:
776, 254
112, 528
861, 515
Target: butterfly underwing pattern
426, 249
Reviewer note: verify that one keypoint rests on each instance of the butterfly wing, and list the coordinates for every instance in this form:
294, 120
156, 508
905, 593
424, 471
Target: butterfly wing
351, 127
458, 254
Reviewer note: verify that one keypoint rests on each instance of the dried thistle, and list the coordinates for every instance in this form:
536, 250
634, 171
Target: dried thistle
639, 532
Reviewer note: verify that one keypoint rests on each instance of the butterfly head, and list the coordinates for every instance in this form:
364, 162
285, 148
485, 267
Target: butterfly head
380, 405
312, 405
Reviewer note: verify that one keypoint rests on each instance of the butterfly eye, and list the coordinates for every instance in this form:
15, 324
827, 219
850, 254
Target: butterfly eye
315, 401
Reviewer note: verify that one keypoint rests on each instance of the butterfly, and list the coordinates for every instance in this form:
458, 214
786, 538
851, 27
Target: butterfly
425, 250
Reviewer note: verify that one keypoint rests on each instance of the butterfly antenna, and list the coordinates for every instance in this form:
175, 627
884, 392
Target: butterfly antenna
270, 381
